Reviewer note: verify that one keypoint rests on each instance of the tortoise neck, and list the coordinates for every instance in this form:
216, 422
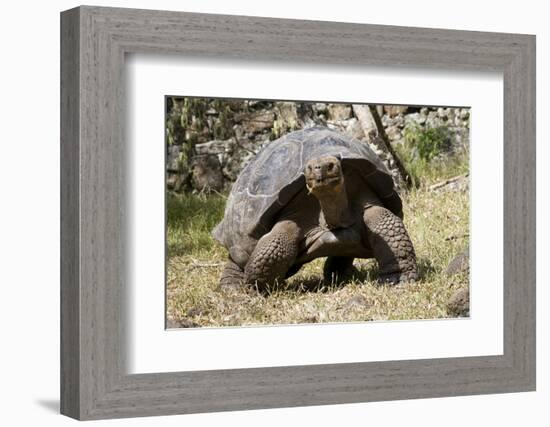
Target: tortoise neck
335, 208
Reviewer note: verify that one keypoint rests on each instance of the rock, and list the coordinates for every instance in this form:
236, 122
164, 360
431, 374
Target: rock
222, 149
236, 163
177, 171
216, 147
206, 173
173, 163
239, 132
232, 155
175, 181
452, 114
459, 264
232, 169
312, 318
432, 120
320, 108
358, 301
351, 127
459, 303
306, 116
464, 114
417, 118
394, 110
398, 121
254, 103
394, 133
258, 121
286, 112
180, 323
286, 118
194, 312
354, 129
338, 112
308, 122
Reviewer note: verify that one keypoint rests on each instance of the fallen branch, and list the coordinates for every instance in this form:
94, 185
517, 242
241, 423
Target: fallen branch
447, 182
455, 237
205, 265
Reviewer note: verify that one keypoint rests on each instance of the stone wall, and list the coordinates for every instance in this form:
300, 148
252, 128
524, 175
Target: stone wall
198, 161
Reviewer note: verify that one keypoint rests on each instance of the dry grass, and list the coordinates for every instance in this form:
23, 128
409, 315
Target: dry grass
438, 223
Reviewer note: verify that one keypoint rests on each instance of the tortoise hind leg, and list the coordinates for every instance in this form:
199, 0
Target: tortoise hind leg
338, 269
391, 245
232, 276
273, 256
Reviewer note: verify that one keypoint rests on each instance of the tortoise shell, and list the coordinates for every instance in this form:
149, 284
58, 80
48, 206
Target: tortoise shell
276, 175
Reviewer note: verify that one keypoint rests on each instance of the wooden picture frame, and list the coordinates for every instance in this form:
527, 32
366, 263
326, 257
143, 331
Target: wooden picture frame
94, 41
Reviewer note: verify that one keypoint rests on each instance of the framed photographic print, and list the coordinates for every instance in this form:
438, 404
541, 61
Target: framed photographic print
240, 170
261, 213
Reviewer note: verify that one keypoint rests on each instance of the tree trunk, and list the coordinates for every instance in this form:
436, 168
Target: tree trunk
370, 121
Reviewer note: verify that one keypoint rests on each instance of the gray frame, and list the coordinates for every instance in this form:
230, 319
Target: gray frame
93, 232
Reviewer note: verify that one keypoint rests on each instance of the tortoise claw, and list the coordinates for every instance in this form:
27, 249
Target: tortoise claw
398, 277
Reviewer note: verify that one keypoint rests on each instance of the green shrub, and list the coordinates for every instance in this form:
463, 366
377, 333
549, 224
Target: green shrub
422, 155
429, 142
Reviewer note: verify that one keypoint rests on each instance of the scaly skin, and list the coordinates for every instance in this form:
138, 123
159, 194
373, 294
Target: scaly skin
273, 256
232, 276
327, 215
391, 246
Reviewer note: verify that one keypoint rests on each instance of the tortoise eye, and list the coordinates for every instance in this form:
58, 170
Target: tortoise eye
309, 168
330, 166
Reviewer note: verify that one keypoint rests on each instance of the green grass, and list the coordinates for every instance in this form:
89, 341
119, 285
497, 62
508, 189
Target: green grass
437, 222
425, 173
190, 220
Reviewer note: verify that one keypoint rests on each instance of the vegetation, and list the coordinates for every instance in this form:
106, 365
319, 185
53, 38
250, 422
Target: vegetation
429, 142
187, 121
436, 221
425, 154
190, 220
436, 217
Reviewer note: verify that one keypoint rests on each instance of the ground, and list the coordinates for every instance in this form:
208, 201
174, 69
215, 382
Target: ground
436, 219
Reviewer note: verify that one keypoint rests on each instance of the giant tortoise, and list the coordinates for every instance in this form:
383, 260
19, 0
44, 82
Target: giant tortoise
313, 193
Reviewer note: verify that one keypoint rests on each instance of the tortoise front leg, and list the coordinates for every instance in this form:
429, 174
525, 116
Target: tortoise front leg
391, 246
273, 256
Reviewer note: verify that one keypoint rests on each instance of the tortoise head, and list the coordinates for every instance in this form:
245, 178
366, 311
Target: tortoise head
324, 175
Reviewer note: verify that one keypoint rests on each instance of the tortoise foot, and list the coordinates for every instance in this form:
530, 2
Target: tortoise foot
398, 277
